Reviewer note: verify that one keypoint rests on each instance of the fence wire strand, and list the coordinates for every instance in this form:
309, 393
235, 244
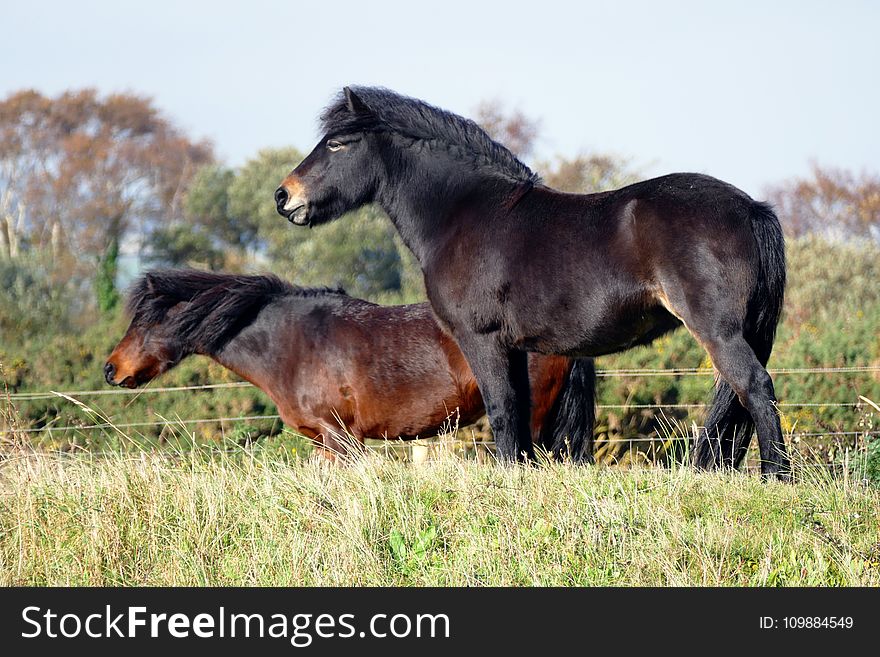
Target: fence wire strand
33, 396
251, 418
694, 371
155, 423
29, 396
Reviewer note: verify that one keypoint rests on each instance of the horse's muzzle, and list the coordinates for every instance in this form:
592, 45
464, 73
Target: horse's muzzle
299, 215
295, 209
110, 377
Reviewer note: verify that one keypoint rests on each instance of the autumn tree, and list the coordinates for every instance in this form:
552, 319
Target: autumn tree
587, 173
512, 128
830, 201
82, 173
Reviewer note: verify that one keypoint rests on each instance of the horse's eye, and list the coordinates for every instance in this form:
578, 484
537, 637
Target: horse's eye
334, 145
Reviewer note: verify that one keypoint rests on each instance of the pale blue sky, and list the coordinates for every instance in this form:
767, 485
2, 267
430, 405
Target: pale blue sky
747, 91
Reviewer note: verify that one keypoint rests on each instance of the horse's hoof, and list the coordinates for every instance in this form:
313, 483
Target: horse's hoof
705, 457
781, 472
706, 464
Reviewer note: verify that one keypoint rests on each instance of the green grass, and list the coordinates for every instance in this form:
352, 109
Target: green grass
256, 518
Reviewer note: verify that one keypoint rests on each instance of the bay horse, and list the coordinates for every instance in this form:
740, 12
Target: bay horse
512, 266
324, 357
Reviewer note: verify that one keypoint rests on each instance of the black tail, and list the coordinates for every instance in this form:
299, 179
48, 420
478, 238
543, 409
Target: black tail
729, 426
568, 429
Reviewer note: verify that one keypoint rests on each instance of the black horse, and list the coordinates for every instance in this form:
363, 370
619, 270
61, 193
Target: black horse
512, 266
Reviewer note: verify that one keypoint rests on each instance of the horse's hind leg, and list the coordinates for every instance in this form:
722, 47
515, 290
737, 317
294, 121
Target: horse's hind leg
716, 319
728, 431
739, 367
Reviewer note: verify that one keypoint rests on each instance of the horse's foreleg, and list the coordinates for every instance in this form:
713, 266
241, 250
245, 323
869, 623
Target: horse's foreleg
503, 378
336, 447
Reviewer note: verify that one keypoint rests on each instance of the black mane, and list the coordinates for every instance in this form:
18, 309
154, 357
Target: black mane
218, 306
410, 117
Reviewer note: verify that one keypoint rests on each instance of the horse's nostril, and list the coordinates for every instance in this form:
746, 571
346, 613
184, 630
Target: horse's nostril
109, 371
281, 197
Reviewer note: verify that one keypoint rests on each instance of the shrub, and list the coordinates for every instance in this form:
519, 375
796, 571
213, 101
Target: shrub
30, 300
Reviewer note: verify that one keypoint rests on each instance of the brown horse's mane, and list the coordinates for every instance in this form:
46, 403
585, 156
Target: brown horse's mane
218, 306
416, 119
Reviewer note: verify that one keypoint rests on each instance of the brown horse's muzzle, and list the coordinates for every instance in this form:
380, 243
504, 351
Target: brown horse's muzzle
110, 373
114, 378
127, 367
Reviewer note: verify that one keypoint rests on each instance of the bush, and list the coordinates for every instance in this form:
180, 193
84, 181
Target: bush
30, 300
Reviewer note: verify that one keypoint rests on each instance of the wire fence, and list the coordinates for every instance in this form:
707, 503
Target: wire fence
69, 395
707, 371
155, 423
693, 371
252, 418
50, 394
176, 454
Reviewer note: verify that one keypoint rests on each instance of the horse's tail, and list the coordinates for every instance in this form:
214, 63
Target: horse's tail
765, 305
729, 426
568, 428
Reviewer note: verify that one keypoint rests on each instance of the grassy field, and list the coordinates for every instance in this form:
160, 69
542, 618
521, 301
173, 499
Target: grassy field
253, 518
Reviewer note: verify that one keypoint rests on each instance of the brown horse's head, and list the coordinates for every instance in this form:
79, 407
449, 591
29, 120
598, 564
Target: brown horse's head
176, 313
152, 344
145, 352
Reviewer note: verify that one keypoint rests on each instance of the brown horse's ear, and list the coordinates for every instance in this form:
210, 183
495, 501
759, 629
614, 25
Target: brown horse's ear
151, 283
355, 104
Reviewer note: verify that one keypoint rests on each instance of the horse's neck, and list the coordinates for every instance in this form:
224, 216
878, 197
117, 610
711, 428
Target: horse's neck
249, 366
253, 357
421, 202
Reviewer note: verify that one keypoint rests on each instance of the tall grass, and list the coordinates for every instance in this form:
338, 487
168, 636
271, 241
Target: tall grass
246, 517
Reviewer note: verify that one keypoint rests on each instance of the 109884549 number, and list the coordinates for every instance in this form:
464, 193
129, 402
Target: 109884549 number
817, 622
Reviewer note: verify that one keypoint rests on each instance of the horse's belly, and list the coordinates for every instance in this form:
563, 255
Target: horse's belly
600, 333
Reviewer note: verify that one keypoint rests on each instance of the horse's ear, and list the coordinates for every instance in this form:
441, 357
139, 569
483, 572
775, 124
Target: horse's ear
355, 104
150, 284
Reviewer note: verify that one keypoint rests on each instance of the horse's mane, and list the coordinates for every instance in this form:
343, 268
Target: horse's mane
392, 112
218, 306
